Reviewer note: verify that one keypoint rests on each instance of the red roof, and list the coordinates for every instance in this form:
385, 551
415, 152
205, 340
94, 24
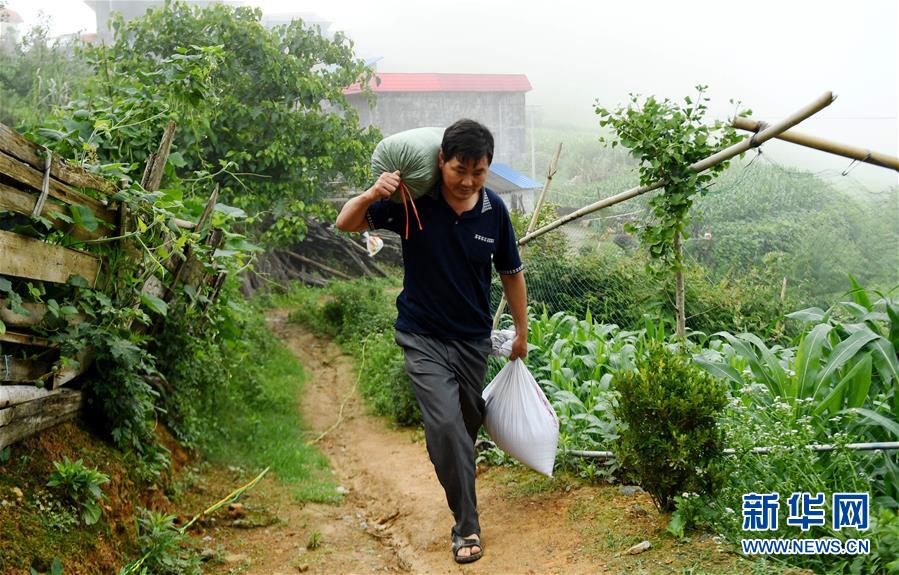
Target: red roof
396, 82
11, 16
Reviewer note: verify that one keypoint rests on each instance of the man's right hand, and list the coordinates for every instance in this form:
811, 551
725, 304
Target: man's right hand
352, 216
387, 183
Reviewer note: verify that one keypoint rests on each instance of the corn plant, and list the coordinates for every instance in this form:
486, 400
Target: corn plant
844, 369
839, 364
573, 362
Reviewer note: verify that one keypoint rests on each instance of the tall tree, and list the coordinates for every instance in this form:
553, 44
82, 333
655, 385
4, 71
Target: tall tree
261, 111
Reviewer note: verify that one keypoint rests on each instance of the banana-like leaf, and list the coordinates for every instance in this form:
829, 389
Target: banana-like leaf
878, 420
758, 370
859, 383
893, 314
886, 361
771, 362
811, 315
857, 310
859, 295
808, 358
874, 316
720, 370
854, 385
843, 352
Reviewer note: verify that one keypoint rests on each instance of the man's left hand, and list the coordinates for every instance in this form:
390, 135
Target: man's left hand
519, 346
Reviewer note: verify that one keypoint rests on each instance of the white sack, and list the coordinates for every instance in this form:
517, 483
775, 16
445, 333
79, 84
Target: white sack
520, 419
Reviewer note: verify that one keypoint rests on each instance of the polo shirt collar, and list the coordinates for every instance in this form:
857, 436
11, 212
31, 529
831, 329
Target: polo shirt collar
485, 205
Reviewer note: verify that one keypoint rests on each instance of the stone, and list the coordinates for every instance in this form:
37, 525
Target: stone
639, 548
637, 510
629, 490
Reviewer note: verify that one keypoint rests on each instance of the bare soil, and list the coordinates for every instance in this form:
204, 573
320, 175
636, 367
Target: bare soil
394, 516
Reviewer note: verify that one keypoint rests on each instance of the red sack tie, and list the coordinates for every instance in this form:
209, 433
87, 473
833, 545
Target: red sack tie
403, 191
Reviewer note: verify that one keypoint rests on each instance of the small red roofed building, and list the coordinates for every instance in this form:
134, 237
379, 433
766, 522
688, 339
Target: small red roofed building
10, 21
413, 100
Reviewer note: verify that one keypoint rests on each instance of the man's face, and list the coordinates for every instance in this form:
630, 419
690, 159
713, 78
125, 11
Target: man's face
462, 179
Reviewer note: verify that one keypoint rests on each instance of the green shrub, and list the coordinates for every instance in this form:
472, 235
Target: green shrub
619, 289
360, 315
670, 440
81, 485
383, 381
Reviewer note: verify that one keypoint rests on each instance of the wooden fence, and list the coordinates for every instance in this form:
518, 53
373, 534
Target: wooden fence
34, 183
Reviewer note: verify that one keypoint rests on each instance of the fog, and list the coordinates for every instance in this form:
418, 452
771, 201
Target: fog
774, 56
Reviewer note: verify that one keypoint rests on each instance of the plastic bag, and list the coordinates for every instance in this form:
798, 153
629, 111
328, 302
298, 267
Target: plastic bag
520, 419
414, 154
373, 243
501, 341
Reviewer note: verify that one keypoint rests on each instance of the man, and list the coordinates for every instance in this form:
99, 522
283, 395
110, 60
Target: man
444, 322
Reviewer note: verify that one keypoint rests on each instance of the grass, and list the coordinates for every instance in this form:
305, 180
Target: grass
268, 430
611, 523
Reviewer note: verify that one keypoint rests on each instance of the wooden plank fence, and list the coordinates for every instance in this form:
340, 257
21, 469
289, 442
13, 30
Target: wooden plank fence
35, 183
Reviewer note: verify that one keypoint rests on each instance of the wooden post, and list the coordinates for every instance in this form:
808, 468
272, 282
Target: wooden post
207, 212
150, 182
157, 160
679, 286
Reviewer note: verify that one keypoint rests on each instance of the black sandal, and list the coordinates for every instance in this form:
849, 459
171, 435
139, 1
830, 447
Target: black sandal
460, 543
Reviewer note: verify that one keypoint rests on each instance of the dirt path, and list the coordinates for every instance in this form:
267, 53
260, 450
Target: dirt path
391, 482
394, 517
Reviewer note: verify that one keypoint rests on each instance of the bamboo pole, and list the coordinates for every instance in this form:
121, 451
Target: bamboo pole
550, 172
752, 142
862, 155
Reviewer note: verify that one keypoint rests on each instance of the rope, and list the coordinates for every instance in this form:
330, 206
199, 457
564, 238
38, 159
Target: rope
855, 163
403, 192
45, 185
7, 374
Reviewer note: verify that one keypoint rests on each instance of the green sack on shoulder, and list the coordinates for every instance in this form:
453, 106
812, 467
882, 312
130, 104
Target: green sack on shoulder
414, 154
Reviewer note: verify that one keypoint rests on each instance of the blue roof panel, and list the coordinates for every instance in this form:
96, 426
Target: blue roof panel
517, 178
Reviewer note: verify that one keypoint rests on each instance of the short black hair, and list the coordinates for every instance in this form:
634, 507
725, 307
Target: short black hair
468, 141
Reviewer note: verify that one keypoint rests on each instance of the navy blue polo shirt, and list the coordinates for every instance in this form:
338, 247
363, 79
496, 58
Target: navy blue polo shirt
448, 264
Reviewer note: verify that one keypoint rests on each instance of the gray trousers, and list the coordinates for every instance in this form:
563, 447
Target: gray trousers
448, 377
